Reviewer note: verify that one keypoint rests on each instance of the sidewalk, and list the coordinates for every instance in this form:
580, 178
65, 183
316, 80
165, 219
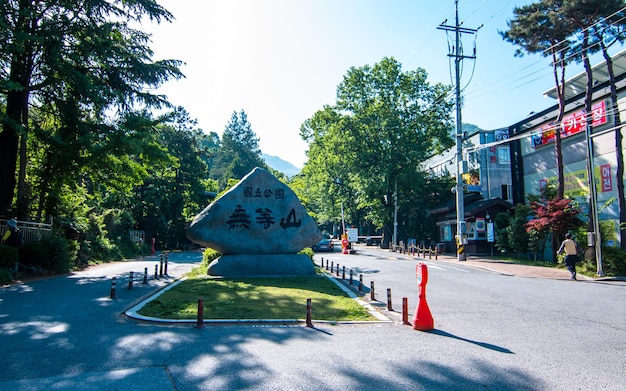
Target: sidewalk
512, 269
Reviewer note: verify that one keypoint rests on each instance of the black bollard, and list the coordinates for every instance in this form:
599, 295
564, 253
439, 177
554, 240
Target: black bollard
113, 292
322, 264
389, 307
405, 311
360, 282
309, 322
372, 295
161, 268
166, 258
343, 272
145, 276
156, 272
130, 281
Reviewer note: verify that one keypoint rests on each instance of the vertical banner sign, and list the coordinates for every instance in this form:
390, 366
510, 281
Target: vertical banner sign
490, 234
605, 172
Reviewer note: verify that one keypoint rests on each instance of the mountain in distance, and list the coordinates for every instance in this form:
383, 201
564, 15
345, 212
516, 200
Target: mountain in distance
281, 165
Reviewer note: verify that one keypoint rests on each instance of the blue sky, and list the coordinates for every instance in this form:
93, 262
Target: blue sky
281, 60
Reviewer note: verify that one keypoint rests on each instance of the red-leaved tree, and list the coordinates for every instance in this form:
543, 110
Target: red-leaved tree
554, 217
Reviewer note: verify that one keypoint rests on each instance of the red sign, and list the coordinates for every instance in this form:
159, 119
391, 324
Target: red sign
605, 172
571, 125
598, 114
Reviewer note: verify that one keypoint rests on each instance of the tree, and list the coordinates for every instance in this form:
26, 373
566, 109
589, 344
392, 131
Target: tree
539, 28
556, 216
384, 124
75, 61
175, 190
601, 24
239, 152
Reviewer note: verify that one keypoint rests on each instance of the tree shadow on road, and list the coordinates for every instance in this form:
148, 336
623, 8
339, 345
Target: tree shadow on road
481, 344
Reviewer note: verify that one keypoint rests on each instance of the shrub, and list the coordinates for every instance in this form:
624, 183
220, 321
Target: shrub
32, 254
307, 251
613, 262
60, 254
5, 276
8, 257
209, 255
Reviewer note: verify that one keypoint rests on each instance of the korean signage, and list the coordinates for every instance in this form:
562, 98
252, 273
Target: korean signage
576, 182
572, 124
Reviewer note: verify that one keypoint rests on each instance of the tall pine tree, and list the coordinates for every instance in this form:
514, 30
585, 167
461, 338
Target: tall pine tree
239, 152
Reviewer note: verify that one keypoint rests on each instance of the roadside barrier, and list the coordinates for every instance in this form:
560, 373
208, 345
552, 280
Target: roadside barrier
113, 293
405, 311
309, 322
422, 318
200, 322
130, 280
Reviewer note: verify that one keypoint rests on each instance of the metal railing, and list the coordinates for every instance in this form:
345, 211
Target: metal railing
32, 232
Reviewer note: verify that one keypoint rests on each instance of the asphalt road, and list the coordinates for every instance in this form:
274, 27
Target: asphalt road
492, 332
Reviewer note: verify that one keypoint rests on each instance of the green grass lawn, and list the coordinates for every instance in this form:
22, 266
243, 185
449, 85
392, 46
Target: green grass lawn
256, 298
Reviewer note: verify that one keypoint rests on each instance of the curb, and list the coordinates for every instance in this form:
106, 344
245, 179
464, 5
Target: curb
132, 311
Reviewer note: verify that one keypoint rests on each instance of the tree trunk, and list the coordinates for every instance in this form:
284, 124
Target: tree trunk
560, 91
619, 152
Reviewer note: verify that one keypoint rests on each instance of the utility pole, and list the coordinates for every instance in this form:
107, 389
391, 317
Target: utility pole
461, 165
395, 215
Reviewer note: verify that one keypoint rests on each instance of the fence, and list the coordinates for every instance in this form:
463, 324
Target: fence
31, 231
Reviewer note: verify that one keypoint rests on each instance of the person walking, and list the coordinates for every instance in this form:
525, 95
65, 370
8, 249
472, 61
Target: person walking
12, 236
570, 247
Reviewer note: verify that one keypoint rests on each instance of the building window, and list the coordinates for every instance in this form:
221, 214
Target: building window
504, 155
445, 233
505, 192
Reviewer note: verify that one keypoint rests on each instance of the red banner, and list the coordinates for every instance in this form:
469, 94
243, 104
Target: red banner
572, 124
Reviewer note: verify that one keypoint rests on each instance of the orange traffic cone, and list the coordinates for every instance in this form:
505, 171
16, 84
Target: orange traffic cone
422, 319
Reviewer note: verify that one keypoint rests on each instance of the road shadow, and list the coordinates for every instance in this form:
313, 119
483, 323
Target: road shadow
481, 344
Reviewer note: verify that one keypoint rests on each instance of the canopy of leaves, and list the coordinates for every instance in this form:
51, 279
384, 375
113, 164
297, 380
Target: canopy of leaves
384, 124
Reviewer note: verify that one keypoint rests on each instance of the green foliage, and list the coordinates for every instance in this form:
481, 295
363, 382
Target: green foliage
308, 252
613, 262
518, 237
384, 124
60, 254
502, 222
209, 255
33, 254
6, 276
8, 256
256, 298
239, 153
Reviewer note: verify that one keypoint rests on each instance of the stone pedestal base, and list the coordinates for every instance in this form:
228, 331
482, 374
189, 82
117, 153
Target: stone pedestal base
262, 265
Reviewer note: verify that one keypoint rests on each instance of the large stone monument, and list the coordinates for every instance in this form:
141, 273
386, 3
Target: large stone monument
258, 226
